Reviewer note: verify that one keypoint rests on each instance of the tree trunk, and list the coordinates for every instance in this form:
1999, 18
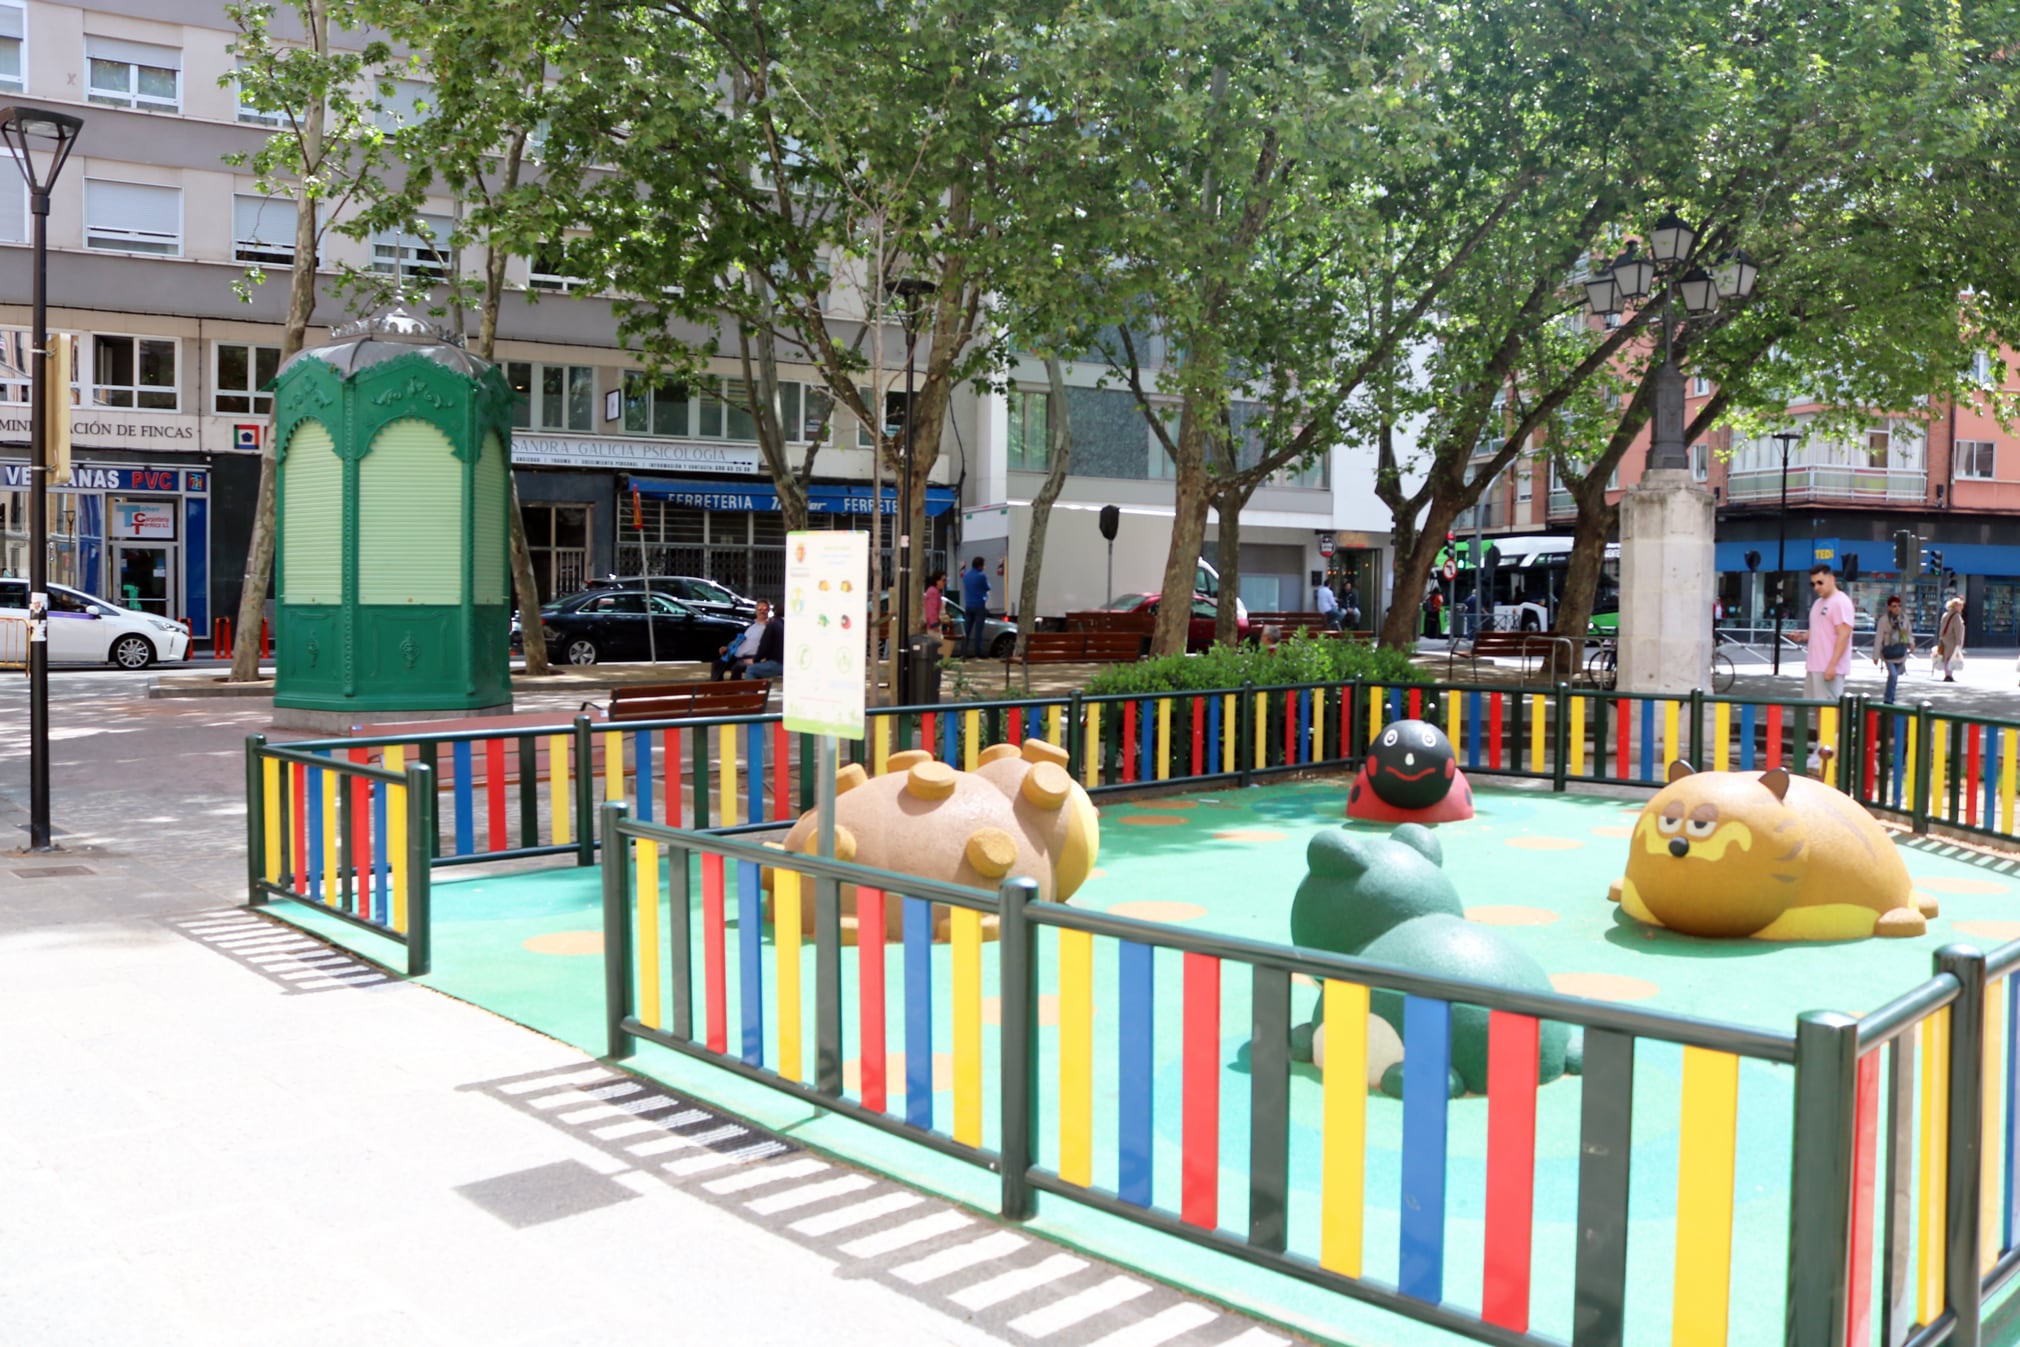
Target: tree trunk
1191, 497
1596, 520
1405, 619
1228, 502
259, 562
1058, 455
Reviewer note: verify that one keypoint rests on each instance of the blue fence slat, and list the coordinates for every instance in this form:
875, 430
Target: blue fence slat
1991, 770
1900, 755
312, 806
1212, 743
1746, 738
2011, 1205
1472, 729
641, 741
1427, 1063
1135, 1064
950, 738
465, 837
1648, 739
382, 864
919, 1013
754, 772
1146, 739
1305, 726
750, 992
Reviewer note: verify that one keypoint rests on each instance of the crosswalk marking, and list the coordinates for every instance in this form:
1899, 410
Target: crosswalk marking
624, 1108
807, 1194
559, 1078
1097, 1299
828, 1223
1017, 1281
905, 1236
707, 1160
1255, 1337
758, 1178
1159, 1328
635, 1127
947, 1262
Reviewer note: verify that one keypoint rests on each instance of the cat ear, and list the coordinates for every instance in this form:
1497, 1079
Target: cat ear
1776, 779
1680, 769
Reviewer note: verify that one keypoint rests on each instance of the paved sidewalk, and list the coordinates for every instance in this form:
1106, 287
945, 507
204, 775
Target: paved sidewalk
216, 1130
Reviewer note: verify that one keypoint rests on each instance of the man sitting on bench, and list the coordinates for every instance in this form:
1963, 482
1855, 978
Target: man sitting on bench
771, 652
735, 658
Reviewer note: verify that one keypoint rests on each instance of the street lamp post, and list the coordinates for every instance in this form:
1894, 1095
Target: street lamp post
1784, 438
911, 291
40, 142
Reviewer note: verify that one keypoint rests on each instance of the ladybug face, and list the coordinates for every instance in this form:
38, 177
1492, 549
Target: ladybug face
1410, 764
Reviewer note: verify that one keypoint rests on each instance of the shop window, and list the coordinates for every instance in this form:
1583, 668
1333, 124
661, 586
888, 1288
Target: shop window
13, 49
133, 372
135, 75
1975, 459
420, 249
242, 371
263, 230
552, 397
132, 217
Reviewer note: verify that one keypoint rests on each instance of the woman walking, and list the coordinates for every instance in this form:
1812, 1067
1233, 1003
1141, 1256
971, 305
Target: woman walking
1893, 642
1950, 639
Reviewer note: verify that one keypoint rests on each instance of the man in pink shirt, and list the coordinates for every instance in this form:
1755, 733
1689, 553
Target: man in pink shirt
1830, 637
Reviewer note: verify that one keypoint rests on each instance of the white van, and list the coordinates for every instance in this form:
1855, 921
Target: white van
87, 630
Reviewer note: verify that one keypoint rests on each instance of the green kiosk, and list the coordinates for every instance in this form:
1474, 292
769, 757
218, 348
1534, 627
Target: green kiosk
392, 574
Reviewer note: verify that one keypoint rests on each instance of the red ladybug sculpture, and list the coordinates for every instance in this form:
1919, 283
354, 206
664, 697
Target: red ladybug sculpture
1410, 775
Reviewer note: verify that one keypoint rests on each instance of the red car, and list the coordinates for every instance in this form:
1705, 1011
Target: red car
1198, 633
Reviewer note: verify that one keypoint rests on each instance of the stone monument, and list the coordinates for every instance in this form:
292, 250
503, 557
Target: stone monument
1666, 583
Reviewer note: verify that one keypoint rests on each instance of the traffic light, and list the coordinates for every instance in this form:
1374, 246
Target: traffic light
1752, 559
1932, 560
1849, 571
1904, 552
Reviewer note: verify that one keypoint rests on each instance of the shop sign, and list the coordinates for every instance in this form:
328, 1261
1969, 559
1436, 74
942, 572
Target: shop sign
98, 428
143, 519
557, 451
103, 477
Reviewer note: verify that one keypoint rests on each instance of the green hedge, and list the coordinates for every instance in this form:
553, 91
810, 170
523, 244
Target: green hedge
1299, 659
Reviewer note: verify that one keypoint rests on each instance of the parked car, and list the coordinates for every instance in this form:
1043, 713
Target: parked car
612, 624
705, 596
1198, 632
999, 635
88, 630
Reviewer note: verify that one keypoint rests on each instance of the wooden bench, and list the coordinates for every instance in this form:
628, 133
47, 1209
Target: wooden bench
1534, 648
683, 701
1311, 623
1077, 647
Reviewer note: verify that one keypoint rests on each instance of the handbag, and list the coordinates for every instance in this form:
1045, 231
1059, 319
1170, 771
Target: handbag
1894, 651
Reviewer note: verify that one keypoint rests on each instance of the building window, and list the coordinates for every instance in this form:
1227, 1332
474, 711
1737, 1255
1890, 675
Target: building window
547, 270
552, 397
133, 372
1700, 462
1525, 489
1974, 459
651, 409
250, 112
13, 199
263, 230
16, 359
134, 74
242, 371
1877, 444
420, 249
1030, 441
1981, 368
1700, 386
13, 49
132, 217
404, 106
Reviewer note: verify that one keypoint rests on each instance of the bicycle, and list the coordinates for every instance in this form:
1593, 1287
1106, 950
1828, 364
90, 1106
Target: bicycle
1603, 669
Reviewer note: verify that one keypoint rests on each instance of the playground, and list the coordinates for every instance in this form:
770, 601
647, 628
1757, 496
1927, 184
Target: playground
1532, 865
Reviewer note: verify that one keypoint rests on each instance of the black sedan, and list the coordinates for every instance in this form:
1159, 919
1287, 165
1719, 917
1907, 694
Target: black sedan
704, 596
607, 624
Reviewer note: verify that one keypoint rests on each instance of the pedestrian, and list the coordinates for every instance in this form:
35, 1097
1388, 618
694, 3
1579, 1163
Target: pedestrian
732, 659
1950, 639
1829, 638
975, 604
1323, 602
1434, 605
1350, 613
1893, 642
930, 604
770, 661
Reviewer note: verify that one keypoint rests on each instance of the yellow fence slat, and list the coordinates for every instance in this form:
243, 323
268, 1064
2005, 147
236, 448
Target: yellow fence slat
1539, 731
1669, 734
1933, 1172
1227, 733
2009, 750
966, 938
1577, 735
613, 764
1343, 1161
1092, 769
1055, 724
880, 753
1076, 1057
971, 740
270, 811
1827, 733
396, 837
645, 888
1708, 1134
1262, 725
726, 776
332, 878
1939, 751
1721, 737
1991, 1155
786, 926
1164, 738
560, 799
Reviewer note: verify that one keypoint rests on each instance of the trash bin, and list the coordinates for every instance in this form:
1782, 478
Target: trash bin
922, 671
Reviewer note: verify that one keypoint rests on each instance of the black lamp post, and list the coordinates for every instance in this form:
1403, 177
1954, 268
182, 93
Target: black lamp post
911, 291
40, 142
1785, 438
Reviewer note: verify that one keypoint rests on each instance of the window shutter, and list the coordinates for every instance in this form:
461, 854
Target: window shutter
133, 206
134, 53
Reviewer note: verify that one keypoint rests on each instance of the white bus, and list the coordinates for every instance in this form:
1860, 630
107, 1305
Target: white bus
1528, 581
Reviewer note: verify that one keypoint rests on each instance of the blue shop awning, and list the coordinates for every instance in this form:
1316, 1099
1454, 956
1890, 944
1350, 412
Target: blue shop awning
822, 498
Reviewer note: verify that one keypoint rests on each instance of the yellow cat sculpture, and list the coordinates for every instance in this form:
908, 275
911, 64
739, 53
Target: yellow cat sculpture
1768, 856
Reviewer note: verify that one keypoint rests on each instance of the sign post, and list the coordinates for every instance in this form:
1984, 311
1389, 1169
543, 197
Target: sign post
826, 648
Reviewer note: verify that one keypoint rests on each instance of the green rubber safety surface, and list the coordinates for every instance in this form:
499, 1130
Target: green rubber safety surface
1534, 865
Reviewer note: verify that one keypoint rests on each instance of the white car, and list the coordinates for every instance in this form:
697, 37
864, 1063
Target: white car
87, 630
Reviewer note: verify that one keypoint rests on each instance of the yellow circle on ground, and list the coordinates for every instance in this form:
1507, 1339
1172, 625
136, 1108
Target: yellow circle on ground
1991, 930
565, 942
1604, 986
1249, 835
894, 1073
1156, 909
1048, 1009
1612, 830
1544, 843
1496, 914
1151, 820
1960, 884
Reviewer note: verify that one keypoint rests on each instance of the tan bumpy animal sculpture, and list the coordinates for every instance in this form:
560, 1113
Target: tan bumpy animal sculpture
1020, 812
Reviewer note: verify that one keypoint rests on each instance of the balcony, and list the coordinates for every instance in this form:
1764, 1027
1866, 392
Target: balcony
1562, 506
1836, 483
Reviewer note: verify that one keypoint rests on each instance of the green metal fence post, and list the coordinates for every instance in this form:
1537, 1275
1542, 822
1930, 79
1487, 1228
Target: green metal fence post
1962, 1235
1076, 735
1851, 748
1017, 956
1353, 719
1244, 716
1560, 736
255, 822
585, 793
1820, 1194
1925, 759
828, 986
1697, 728
617, 956
420, 878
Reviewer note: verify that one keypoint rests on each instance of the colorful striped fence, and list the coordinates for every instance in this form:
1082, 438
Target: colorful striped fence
350, 839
